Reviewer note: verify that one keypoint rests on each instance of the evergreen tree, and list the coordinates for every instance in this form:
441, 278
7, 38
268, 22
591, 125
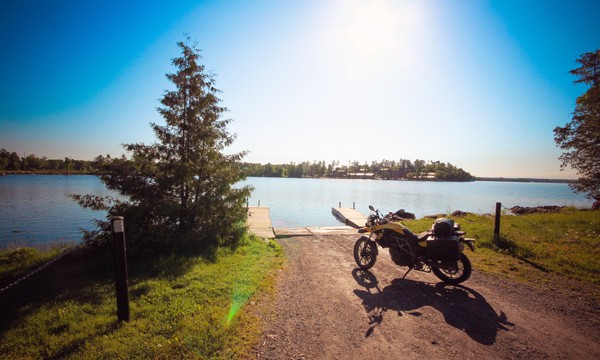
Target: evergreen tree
179, 191
581, 136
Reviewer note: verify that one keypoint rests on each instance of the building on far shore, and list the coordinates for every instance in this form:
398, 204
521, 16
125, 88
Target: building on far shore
360, 175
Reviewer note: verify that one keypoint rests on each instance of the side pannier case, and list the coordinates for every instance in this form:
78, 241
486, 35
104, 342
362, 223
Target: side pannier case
443, 248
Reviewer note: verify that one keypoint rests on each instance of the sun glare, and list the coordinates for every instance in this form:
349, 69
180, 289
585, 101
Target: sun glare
379, 30
372, 27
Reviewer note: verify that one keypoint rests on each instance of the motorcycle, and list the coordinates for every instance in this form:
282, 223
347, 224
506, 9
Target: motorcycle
438, 250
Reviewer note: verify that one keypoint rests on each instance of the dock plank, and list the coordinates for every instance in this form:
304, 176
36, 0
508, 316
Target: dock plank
259, 222
350, 217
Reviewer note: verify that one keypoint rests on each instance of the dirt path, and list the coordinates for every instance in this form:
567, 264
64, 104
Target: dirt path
328, 309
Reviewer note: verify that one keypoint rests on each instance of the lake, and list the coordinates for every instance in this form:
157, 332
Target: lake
302, 202
38, 209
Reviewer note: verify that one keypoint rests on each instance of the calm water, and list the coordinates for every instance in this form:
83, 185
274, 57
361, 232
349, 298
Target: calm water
37, 209
302, 202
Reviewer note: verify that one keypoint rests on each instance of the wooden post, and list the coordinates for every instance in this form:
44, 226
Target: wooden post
258, 202
118, 231
340, 205
497, 222
353, 205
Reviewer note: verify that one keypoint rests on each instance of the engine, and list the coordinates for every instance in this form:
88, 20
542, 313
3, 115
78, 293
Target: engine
403, 251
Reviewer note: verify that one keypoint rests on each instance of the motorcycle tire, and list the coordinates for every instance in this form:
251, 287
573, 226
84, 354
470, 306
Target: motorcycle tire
365, 253
460, 274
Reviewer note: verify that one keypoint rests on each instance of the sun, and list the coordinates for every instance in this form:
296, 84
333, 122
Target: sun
372, 27
372, 30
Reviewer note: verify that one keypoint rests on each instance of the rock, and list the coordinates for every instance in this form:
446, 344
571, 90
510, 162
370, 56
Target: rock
405, 215
459, 213
522, 210
435, 216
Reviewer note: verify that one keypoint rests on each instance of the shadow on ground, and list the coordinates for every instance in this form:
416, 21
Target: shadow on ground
462, 307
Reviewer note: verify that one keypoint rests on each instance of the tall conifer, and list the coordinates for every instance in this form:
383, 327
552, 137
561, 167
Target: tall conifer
180, 190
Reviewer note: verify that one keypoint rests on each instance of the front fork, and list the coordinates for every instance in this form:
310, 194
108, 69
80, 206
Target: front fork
374, 243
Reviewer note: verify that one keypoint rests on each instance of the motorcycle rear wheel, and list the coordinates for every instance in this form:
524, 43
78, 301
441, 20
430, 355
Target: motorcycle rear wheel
365, 253
455, 274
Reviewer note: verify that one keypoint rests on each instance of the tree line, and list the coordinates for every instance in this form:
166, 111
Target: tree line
11, 161
385, 169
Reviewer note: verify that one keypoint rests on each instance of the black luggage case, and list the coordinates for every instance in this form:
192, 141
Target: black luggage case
443, 248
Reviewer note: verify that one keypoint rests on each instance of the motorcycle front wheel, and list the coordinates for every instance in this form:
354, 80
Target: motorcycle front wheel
455, 273
365, 253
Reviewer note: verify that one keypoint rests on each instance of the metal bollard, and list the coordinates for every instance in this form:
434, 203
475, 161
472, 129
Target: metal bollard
121, 280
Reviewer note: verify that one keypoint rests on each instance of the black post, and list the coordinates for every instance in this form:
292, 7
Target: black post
497, 222
118, 230
353, 205
340, 204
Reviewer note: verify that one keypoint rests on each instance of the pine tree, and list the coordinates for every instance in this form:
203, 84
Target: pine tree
180, 190
581, 136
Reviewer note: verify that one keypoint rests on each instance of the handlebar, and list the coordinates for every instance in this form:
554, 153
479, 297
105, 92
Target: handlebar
378, 218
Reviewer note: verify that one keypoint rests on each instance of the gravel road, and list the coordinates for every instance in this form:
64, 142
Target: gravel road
326, 308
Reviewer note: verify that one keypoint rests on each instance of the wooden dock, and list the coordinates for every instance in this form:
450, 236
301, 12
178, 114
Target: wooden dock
350, 217
259, 222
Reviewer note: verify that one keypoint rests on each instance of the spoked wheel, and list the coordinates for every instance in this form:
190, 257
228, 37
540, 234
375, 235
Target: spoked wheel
455, 273
365, 253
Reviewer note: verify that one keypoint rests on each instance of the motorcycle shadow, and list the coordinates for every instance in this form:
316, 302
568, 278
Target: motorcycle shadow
462, 307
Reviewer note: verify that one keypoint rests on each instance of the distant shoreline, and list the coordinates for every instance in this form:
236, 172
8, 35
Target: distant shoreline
501, 179
567, 181
46, 172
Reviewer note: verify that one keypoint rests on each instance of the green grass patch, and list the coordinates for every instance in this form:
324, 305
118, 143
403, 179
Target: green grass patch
181, 306
16, 262
565, 243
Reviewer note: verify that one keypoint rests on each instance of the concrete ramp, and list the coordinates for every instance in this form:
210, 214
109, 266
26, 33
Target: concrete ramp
314, 230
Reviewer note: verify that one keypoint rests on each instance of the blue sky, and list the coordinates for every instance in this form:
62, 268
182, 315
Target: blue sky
479, 84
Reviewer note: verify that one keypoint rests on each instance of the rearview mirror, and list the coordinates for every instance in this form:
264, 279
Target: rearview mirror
371, 208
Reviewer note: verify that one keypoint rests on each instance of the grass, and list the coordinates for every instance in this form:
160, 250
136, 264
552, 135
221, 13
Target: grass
189, 307
17, 261
181, 306
565, 243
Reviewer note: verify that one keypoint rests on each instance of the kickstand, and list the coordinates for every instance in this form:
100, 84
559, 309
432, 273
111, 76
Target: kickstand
406, 273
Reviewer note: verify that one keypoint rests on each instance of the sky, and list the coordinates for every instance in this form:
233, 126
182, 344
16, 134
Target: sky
479, 84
